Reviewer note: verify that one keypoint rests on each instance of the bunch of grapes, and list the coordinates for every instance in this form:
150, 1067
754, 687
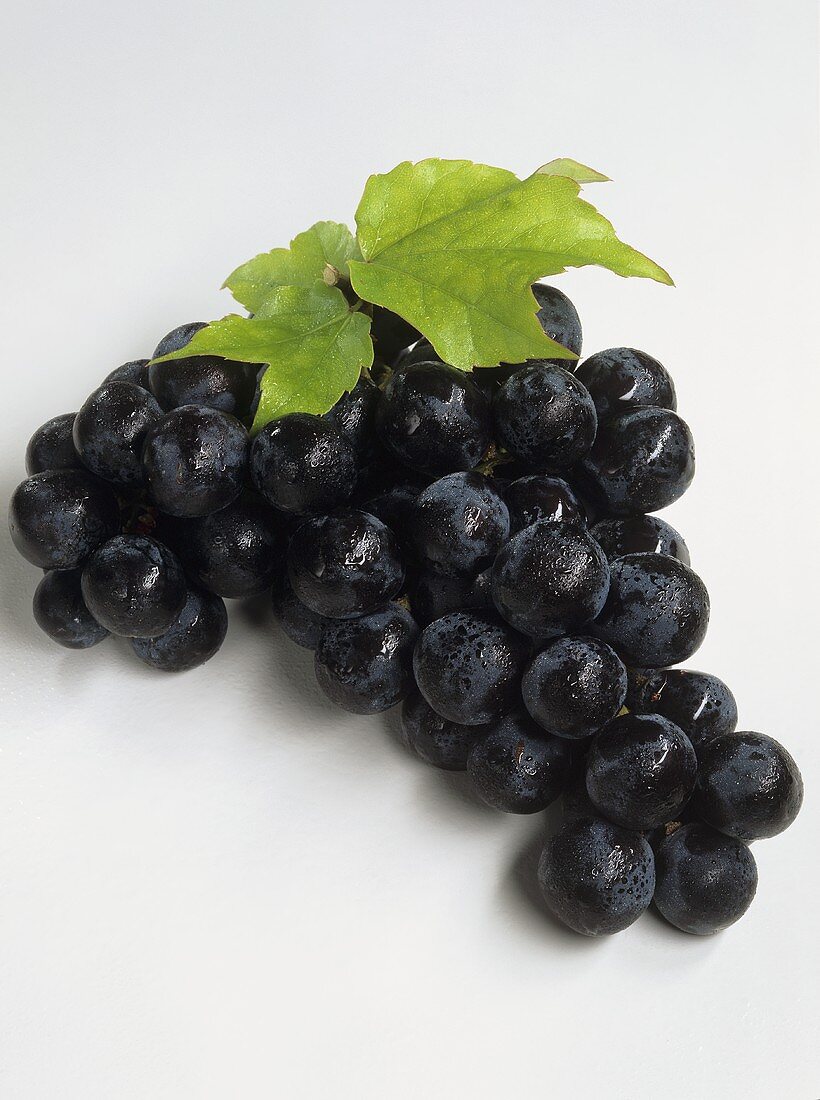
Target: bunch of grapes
478, 547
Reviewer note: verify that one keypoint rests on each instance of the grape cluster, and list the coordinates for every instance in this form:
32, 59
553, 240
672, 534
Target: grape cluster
477, 547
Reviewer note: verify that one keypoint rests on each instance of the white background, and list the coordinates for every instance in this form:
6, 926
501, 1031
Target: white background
220, 886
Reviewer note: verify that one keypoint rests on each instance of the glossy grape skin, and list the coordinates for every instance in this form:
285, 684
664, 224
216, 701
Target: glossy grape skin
300, 624
59, 517
391, 334
345, 564
434, 418
52, 446
641, 461
436, 594
657, 611
60, 611
177, 338
597, 878
704, 881
193, 639
134, 371
354, 415
459, 523
697, 702
365, 665
110, 430
234, 552
639, 535
516, 767
538, 496
641, 771
550, 578
574, 687
545, 417
421, 352
749, 787
205, 380
434, 739
134, 586
468, 666
302, 463
622, 378
195, 460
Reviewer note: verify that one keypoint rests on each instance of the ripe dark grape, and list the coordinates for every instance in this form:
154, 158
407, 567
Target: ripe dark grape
134, 586
300, 624
517, 767
596, 877
52, 446
434, 418
195, 460
538, 496
135, 371
436, 594
302, 463
699, 703
550, 578
60, 611
110, 430
545, 417
623, 378
459, 523
59, 517
748, 786
177, 338
639, 535
434, 739
354, 415
574, 687
468, 667
365, 665
641, 771
205, 380
345, 564
704, 881
642, 460
193, 639
657, 611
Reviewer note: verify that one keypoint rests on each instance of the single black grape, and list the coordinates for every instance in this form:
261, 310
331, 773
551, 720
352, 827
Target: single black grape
302, 463
459, 523
550, 578
59, 517
134, 371
641, 771
596, 877
345, 564
641, 461
518, 768
52, 446
749, 787
234, 552
300, 624
134, 586
205, 380
574, 687
195, 460
436, 594
434, 739
699, 703
391, 334
110, 429
704, 881
538, 496
468, 667
434, 418
545, 417
177, 338
365, 665
354, 415
623, 378
639, 535
193, 639
657, 611
60, 611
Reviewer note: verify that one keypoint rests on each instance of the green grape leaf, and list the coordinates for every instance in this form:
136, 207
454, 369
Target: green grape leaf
454, 246
314, 346
565, 166
326, 245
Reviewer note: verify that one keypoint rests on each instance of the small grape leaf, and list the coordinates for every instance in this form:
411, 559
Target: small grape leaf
454, 246
326, 244
314, 346
565, 166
